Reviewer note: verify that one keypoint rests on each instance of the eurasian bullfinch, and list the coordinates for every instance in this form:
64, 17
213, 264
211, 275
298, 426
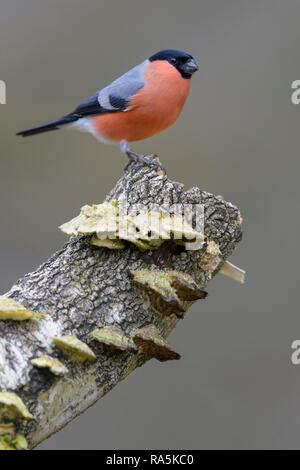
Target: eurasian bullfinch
139, 104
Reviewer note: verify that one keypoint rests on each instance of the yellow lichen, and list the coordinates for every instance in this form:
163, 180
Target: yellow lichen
75, 349
9, 442
51, 363
19, 442
12, 407
113, 337
12, 310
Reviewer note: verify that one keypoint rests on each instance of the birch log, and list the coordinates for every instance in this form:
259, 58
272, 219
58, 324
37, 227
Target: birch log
83, 288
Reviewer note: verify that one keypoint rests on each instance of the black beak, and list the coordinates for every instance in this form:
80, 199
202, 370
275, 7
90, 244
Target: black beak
190, 67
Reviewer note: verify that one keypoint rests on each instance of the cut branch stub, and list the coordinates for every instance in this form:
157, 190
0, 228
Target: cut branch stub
233, 272
169, 291
51, 363
114, 338
12, 407
74, 349
152, 344
211, 258
14, 311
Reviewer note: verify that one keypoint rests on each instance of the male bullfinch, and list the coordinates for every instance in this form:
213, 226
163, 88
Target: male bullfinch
139, 104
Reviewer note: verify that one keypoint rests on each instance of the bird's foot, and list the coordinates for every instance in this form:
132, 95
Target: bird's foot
150, 160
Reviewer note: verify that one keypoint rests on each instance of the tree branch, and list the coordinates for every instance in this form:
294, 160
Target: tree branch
83, 288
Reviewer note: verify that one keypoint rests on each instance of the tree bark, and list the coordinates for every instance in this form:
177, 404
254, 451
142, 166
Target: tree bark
82, 288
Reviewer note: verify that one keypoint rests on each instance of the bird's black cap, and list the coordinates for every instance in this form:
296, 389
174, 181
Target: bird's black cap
182, 61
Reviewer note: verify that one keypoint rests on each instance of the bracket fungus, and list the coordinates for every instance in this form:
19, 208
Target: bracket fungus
74, 349
168, 291
98, 218
7, 428
152, 344
12, 407
51, 363
13, 442
116, 244
150, 229
12, 310
185, 286
114, 338
147, 230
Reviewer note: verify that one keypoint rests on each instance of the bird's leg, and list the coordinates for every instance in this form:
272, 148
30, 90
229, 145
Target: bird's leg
143, 159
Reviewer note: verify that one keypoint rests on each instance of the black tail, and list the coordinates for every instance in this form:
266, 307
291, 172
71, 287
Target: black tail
50, 126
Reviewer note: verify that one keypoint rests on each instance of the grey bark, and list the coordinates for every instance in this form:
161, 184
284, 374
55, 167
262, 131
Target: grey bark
81, 288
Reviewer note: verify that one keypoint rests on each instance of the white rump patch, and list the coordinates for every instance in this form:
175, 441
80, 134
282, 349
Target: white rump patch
86, 125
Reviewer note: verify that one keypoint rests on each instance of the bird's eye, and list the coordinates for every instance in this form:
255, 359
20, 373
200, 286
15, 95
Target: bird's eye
173, 60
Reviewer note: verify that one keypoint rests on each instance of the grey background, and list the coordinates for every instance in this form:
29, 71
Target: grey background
238, 136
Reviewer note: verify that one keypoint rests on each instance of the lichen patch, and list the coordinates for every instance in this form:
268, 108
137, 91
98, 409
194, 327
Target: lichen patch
13, 442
